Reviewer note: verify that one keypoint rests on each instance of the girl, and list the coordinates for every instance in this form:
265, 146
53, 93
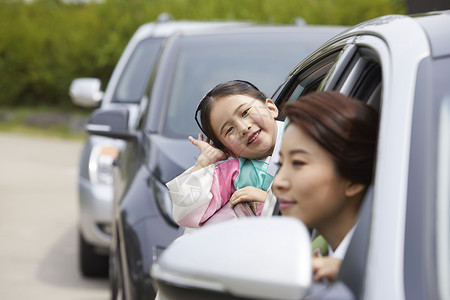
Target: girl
240, 122
325, 166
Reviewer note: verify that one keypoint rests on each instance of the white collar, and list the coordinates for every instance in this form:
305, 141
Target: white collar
273, 159
342, 248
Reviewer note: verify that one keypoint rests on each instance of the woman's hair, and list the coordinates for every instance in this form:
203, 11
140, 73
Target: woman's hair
222, 90
346, 128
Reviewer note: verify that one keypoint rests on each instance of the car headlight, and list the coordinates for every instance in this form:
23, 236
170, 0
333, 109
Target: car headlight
101, 164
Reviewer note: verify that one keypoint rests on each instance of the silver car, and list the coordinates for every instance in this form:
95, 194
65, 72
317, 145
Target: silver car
401, 246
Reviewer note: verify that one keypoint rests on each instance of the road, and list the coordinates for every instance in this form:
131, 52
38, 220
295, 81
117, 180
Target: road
38, 215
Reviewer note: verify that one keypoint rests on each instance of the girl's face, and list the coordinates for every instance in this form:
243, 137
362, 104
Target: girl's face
307, 185
245, 126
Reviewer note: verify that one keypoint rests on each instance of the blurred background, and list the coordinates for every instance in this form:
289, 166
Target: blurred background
45, 44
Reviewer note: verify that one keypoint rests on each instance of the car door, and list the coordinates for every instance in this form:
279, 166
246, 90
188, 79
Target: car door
427, 262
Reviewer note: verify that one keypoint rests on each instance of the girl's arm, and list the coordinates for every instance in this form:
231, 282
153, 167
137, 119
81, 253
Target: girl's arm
248, 194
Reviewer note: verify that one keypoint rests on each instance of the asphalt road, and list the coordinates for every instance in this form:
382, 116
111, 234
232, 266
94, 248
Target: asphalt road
38, 215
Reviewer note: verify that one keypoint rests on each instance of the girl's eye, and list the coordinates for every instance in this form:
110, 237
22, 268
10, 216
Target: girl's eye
245, 112
228, 131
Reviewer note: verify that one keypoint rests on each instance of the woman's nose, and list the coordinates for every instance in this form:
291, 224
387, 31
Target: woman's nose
279, 183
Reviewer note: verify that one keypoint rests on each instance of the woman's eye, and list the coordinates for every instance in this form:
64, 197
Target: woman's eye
245, 112
297, 163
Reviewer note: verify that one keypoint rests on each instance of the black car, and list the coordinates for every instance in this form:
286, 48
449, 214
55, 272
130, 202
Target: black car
158, 150
125, 89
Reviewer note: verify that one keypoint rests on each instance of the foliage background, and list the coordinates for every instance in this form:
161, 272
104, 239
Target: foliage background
45, 44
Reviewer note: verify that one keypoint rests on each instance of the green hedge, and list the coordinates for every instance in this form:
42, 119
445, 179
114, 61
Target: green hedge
45, 44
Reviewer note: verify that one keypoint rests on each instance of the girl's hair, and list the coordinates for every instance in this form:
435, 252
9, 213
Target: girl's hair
346, 128
222, 90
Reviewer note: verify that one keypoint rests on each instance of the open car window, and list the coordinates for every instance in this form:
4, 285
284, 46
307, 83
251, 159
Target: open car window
355, 71
360, 78
351, 70
305, 82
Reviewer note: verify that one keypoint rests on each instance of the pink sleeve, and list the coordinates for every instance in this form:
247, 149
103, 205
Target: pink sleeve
222, 186
220, 190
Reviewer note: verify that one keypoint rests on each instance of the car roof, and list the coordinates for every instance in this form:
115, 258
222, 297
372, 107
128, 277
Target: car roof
167, 28
433, 26
436, 26
264, 29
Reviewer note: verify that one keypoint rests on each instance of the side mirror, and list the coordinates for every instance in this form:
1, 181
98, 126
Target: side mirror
86, 92
251, 258
111, 122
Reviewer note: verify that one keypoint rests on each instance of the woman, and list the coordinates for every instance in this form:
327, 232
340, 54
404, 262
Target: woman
326, 165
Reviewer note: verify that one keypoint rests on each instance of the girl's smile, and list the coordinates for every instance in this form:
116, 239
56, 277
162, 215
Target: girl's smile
253, 137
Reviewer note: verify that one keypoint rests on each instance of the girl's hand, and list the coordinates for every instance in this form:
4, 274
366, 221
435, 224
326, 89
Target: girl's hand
326, 267
208, 153
248, 194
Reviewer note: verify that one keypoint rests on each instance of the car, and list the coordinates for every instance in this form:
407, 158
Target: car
125, 89
157, 150
400, 65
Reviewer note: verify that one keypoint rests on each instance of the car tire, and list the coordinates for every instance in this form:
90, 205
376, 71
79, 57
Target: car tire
91, 263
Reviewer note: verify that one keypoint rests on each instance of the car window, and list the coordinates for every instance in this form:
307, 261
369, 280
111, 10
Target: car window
351, 70
305, 82
132, 83
361, 77
203, 63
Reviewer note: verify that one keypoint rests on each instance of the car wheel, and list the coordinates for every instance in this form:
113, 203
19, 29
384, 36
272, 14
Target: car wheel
91, 263
115, 274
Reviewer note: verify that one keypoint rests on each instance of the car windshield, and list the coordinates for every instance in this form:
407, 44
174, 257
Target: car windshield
131, 85
261, 58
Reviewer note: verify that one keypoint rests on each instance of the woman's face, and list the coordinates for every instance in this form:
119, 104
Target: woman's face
306, 184
245, 126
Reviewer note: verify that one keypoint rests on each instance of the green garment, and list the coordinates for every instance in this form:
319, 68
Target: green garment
253, 172
320, 246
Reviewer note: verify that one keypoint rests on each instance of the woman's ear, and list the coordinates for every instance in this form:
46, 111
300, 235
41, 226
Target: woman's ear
354, 189
273, 109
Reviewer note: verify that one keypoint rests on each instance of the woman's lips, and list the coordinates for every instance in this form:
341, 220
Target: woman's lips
285, 204
253, 137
